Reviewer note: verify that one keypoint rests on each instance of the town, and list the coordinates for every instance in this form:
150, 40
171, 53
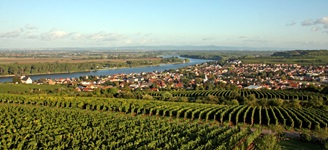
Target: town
206, 76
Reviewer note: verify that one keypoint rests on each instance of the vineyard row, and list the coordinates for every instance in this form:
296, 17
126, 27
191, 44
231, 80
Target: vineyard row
292, 117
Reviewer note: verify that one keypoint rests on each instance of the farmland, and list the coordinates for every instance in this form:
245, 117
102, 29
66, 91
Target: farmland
60, 61
291, 57
47, 121
259, 94
6, 60
54, 128
291, 117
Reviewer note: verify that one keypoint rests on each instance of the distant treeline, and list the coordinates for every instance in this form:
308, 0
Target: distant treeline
44, 68
296, 53
202, 56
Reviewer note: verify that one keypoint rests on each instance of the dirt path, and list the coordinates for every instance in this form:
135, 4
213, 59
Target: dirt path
290, 134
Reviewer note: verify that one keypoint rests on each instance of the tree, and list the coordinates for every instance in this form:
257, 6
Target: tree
315, 102
283, 77
312, 88
233, 94
251, 100
96, 92
234, 102
147, 97
276, 102
325, 90
211, 98
16, 79
166, 96
295, 103
305, 137
113, 91
267, 142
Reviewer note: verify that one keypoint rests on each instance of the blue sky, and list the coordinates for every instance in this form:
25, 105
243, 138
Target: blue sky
292, 24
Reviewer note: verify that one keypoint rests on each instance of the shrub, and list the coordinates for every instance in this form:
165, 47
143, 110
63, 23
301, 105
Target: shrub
267, 142
234, 102
166, 96
147, 97
305, 137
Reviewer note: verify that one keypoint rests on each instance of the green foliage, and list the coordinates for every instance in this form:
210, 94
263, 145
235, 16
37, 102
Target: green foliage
32, 88
234, 102
47, 67
276, 102
310, 118
16, 79
325, 90
267, 142
171, 60
166, 96
305, 137
126, 94
251, 100
30, 127
315, 102
295, 104
292, 57
147, 97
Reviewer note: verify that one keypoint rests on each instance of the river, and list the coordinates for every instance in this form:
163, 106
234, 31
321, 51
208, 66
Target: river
161, 67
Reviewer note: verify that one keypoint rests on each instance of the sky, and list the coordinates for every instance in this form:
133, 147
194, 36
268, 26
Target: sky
289, 24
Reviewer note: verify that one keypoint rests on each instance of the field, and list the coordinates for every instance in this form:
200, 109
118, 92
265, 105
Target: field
310, 57
30, 127
279, 60
293, 144
306, 118
23, 88
6, 60
49, 122
259, 94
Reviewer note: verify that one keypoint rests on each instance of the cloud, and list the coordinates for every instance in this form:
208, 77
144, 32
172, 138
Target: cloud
54, 34
31, 36
242, 37
307, 22
323, 20
30, 27
142, 34
148, 34
317, 24
255, 40
208, 39
12, 34
30, 32
76, 36
291, 23
315, 29
103, 36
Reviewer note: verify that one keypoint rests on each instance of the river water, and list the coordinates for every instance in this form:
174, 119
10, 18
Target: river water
161, 67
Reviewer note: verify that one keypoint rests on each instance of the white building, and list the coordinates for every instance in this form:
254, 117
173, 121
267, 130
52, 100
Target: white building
26, 80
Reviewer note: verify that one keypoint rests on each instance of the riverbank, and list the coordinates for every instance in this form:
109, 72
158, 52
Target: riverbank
111, 71
53, 73
115, 68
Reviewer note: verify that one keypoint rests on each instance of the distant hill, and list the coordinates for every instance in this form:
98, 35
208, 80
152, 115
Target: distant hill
298, 53
163, 47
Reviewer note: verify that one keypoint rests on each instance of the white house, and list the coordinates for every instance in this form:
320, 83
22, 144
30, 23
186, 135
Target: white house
26, 80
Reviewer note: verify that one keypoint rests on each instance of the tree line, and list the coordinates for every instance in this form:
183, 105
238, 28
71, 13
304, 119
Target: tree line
44, 68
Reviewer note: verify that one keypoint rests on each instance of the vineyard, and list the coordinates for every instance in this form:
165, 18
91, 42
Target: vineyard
308, 118
31, 127
259, 94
